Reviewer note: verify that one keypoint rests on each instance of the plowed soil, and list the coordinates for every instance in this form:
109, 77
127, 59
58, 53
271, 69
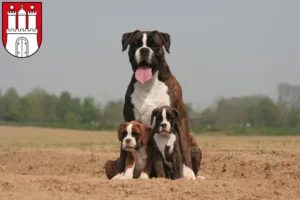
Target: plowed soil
42, 164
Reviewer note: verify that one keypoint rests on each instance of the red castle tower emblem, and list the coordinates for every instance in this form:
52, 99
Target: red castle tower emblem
22, 28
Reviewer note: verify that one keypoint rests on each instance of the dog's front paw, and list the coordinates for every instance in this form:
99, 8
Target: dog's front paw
188, 173
118, 176
144, 176
126, 176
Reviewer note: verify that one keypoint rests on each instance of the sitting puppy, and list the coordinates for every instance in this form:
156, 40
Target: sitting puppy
168, 159
134, 137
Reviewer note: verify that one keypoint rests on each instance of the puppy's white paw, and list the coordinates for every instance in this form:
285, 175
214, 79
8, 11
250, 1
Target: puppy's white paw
144, 176
126, 176
118, 176
188, 173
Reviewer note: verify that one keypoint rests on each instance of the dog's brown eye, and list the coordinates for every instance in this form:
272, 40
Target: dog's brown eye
135, 134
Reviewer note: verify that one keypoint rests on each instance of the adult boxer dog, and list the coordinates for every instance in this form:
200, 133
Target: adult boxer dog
153, 85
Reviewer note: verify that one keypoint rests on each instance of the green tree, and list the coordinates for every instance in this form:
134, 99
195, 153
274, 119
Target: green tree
71, 118
89, 110
267, 113
67, 105
294, 117
50, 104
76, 106
25, 108
224, 112
10, 105
113, 112
36, 97
189, 109
208, 116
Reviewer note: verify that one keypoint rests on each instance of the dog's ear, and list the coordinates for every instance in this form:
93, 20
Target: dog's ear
178, 117
166, 38
121, 129
154, 111
127, 39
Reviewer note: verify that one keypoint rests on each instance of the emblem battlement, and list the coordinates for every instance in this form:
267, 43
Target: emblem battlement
11, 13
31, 13
19, 31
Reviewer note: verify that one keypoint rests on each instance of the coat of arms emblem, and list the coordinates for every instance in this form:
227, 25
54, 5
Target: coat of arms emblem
22, 28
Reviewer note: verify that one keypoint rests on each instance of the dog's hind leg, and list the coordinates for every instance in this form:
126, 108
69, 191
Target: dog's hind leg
111, 168
196, 155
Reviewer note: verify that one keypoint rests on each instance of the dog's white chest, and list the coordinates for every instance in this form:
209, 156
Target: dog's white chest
147, 97
163, 141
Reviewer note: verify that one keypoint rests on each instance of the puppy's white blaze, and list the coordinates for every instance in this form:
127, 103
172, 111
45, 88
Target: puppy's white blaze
165, 120
129, 136
188, 173
137, 53
163, 141
129, 129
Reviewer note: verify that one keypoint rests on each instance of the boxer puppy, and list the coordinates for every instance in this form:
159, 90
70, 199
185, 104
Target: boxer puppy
153, 85
134, 137
165, 122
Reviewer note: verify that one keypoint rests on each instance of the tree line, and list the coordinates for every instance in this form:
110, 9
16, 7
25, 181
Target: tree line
38, 107
251, 111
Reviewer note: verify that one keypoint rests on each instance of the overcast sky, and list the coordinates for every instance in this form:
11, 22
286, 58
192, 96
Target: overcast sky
218, 48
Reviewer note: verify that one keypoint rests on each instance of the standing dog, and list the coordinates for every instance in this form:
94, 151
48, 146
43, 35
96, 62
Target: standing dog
153, 85
165, 122
134, 137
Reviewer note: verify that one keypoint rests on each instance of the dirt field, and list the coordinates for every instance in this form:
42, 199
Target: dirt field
44, 164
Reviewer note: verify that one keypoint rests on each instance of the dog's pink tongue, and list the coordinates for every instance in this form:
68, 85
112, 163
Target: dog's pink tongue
143, 74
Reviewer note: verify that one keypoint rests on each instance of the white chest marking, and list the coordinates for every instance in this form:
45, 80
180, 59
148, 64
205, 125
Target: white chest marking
149, 96
163, 141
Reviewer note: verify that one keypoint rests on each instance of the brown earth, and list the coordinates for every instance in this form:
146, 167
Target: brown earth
44, 164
